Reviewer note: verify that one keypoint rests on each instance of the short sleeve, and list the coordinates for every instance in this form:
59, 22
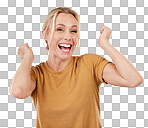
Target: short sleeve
100, 64
33, 75
96, 64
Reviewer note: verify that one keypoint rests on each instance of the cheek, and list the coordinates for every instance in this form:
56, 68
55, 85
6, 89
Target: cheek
55, 40
57, 37
75, 39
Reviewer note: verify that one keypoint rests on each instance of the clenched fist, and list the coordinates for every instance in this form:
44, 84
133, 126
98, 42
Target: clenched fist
105, 34
25, 51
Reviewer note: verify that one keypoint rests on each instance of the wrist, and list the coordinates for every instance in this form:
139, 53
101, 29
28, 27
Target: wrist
105, 43
29, 57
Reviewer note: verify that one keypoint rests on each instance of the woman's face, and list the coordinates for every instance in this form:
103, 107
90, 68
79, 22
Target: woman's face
66, 32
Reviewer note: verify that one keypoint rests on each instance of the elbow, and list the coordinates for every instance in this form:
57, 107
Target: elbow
17, 93
137, 81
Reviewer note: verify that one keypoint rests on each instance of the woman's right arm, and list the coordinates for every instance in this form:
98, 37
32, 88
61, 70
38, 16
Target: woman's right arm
22, 85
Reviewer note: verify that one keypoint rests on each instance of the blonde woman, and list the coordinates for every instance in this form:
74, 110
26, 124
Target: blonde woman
65, 88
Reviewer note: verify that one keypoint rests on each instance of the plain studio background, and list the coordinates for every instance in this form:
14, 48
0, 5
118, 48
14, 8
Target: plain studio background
21, 21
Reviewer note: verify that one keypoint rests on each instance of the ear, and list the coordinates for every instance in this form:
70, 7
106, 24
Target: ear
44, 35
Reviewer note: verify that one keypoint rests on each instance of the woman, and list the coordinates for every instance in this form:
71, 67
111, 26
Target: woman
65, 88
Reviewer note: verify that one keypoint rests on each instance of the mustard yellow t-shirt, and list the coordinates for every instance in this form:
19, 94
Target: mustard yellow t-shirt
69, 98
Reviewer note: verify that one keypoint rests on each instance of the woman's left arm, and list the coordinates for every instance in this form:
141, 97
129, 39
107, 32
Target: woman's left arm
121, 72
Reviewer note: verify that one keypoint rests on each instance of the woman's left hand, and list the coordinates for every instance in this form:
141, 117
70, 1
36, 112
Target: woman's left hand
105, 34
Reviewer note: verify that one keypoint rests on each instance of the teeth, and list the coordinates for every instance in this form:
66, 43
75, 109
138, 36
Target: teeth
64, 45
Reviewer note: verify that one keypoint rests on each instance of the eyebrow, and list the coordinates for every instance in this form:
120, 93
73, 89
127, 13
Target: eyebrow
64, 25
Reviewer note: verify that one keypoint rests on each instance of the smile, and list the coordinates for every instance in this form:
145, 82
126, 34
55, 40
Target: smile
64, 48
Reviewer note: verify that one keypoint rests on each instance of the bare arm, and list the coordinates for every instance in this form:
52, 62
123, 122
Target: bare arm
122, 72
126, 73
22, 85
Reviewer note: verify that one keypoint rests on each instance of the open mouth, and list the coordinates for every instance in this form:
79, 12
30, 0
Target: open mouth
65, 49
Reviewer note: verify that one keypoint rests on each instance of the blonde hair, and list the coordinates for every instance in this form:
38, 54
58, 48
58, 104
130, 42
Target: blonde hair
53, 13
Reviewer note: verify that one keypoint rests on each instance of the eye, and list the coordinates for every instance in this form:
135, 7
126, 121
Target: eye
74, 31
59, 29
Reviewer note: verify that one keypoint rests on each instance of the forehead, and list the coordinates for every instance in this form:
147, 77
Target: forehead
66, 19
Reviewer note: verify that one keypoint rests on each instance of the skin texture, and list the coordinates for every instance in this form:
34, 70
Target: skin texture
24, 50
120, 73
105, 34
57, 60
22, 85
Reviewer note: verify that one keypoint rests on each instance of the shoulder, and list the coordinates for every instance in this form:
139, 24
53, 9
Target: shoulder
40, 65
90, 57
37, 68
91, 60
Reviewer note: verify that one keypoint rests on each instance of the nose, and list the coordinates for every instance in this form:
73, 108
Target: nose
67, 36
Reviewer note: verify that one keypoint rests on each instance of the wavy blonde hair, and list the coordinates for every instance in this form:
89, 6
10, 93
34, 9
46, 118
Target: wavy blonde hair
53, 13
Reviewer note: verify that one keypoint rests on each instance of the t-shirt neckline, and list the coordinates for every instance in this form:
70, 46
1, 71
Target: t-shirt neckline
62, 71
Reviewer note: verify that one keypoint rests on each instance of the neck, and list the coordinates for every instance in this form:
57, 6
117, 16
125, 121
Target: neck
57, 64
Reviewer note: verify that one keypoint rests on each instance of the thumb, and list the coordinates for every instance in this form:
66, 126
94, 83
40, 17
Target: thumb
27, 45
102, 29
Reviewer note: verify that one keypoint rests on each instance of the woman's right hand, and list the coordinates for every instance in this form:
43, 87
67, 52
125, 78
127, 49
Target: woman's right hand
24, 51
